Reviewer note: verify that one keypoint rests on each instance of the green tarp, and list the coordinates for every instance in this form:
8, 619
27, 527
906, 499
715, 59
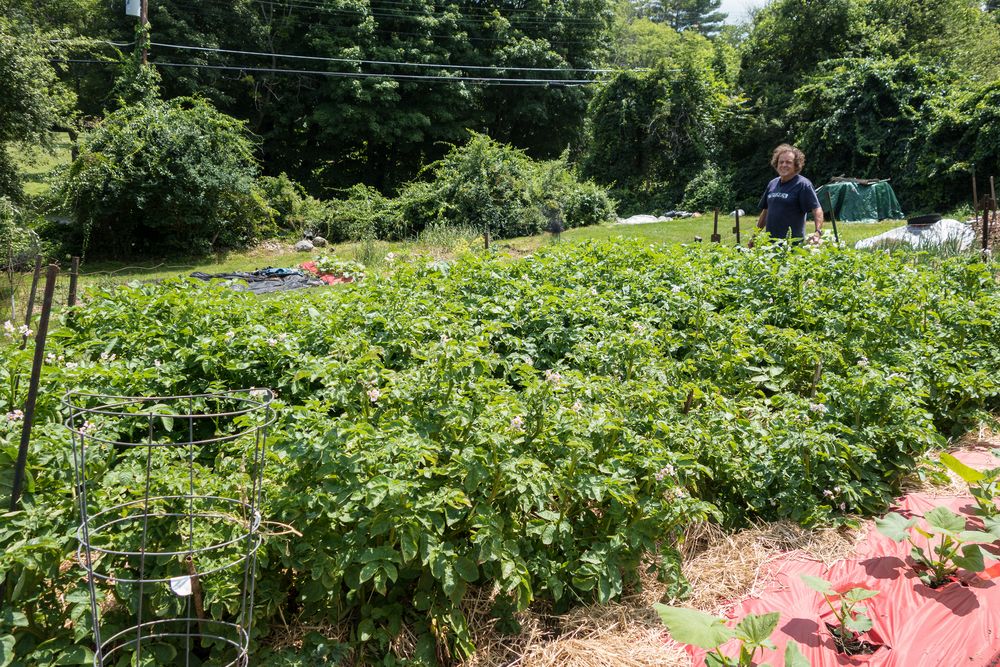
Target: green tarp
859, 202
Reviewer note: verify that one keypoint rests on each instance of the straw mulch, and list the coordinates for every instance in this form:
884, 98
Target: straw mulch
721, 567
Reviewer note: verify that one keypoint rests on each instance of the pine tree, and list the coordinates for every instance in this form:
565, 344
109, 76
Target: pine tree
701, 15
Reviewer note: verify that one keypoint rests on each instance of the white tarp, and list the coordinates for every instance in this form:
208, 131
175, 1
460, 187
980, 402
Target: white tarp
643, 219
945, 233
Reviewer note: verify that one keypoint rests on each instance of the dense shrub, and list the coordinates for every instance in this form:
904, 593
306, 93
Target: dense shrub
710, 189
485, 184
537, 426
293, 210
18, 244
32, 98
480, 185
165, 177
652, 132
363, 214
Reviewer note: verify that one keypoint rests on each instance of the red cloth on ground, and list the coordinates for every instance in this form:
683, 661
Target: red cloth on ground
955, 625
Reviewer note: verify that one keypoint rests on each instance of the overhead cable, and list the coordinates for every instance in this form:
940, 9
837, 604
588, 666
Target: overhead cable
188, 47
492, 81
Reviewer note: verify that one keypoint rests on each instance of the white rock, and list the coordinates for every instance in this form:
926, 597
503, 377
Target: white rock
319, 241
304, 246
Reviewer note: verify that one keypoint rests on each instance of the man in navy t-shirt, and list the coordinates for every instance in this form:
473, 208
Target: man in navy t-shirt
789, 197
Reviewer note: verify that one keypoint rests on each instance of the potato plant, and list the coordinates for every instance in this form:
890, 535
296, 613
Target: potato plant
540, 428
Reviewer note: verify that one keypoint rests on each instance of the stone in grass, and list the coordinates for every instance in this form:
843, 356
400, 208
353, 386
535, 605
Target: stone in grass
319, 241
303, 246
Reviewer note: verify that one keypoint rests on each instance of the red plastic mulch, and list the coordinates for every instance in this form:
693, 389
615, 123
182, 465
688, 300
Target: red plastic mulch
325, 277
955, 625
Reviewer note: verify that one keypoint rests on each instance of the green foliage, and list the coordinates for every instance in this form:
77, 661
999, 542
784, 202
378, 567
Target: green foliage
18, 245
32, 99
701, 16
137, 82
710, 189
852, 617
293, 209
956, 547
653, 132
164, 177
329, 265
644, 44
753, 632
867, 118
334, 132
495, 187
363, 214
541, 427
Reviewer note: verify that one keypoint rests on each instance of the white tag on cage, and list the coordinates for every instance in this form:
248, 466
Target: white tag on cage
181, 585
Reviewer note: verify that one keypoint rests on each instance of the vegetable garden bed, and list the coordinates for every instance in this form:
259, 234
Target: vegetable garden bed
542, 430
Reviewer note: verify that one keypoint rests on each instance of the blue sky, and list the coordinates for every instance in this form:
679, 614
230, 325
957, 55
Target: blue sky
737, 9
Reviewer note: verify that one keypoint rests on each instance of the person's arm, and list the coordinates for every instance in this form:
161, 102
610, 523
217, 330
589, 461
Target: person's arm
762, 220
818, 218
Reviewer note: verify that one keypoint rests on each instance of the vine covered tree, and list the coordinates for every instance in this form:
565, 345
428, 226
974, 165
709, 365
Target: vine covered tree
162, 178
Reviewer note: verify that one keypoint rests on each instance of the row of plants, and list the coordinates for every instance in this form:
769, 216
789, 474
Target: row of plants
540, 428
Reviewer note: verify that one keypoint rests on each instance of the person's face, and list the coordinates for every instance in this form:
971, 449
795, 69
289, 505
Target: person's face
786, 165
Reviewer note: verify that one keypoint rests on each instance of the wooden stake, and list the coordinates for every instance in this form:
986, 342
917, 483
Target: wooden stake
36, 372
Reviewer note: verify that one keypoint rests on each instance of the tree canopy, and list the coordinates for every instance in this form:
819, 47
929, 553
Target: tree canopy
655, 99
32, 98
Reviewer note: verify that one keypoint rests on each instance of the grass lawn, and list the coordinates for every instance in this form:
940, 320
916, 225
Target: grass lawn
373, 254
36, 164
684, 231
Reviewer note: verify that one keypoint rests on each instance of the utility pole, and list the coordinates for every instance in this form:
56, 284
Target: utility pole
144, 21
140, 10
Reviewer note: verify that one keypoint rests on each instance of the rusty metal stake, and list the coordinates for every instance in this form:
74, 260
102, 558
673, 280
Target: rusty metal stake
31, 298
36, 372
199, 605
736, 228
987, 215
975, 196
833, 218
716, 238
74, 271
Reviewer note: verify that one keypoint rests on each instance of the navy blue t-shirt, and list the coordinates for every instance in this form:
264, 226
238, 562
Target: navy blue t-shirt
787, 205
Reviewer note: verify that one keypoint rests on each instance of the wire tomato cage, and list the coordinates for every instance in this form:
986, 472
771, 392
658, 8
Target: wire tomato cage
169, 491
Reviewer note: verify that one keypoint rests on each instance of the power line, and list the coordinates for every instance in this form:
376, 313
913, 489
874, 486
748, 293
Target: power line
480, 80
382, 62
522, 30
